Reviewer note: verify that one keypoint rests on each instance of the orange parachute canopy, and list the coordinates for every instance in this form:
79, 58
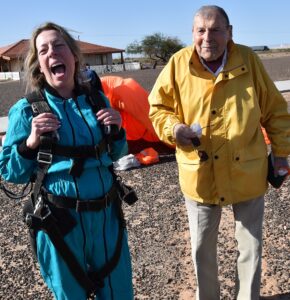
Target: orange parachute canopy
131, 100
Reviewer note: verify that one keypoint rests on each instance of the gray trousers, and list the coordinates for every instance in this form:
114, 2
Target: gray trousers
204, 222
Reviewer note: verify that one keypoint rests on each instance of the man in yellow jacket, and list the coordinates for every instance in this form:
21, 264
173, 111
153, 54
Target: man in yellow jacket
210, 101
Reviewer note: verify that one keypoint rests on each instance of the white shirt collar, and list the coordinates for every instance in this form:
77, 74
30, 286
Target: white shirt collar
220, 68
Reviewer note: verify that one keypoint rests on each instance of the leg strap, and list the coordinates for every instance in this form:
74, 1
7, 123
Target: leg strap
92, 281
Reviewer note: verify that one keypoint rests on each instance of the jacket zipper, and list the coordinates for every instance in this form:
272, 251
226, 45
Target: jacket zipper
104, 210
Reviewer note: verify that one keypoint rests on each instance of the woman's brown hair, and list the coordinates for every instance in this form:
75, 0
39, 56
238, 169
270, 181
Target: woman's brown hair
33, 77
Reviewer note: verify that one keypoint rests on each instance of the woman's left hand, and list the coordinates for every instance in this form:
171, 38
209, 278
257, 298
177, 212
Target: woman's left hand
109, 116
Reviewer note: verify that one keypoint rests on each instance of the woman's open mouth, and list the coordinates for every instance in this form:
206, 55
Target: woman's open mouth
58, 69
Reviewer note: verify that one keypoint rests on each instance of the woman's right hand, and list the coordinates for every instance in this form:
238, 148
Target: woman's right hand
42, 123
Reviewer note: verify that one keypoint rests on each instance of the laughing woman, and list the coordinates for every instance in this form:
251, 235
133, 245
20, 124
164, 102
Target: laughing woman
81, 242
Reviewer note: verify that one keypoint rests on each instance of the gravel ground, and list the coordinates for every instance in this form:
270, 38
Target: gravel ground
159, 241
158, 231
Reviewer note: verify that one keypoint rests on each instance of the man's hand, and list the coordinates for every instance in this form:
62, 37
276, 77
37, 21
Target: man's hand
280, 163
183, 134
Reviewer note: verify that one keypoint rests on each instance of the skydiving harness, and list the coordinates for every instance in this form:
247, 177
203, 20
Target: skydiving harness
50, 213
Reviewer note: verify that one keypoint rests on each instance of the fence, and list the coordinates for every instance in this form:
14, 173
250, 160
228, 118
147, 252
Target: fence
102, 69
9, 75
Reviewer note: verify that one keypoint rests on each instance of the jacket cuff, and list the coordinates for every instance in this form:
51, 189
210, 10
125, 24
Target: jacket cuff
26, 152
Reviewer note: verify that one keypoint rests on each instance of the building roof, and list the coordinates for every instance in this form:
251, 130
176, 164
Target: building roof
20, 48
15, 50
88, 48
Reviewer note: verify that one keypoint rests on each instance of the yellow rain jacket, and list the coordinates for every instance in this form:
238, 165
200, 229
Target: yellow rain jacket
230, 108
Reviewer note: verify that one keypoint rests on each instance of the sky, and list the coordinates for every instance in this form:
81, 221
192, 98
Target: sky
117, 23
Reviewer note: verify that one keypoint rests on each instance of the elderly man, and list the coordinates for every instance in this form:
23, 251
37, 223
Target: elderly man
222, 89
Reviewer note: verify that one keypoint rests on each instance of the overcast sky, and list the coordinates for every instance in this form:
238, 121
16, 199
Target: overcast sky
117, 23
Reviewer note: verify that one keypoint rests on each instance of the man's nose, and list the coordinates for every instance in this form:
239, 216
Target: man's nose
208, 35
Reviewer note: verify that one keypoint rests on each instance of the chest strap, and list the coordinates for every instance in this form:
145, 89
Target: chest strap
81, 152
83, 205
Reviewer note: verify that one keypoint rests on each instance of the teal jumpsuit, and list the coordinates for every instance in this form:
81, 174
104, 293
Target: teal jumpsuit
93, 239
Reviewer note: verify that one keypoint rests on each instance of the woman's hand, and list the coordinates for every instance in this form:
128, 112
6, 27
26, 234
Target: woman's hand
42, 123
109, 116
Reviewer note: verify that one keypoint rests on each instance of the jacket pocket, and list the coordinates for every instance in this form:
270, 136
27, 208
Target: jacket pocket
188, 157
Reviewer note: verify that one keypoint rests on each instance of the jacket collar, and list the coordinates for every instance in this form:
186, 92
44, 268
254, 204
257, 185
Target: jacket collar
220, 68
78, 90
234, 66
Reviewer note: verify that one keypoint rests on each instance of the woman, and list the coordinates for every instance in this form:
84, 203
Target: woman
53, 67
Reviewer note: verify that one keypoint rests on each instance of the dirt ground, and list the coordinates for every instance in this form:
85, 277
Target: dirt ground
157, 228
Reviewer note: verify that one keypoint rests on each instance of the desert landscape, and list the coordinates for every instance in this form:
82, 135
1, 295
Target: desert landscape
157, 226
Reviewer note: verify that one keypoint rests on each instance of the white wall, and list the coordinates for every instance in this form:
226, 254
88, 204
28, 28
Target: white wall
9, 75
116, 68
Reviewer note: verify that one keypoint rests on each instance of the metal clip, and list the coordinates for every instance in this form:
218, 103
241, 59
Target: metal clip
47, 213
45, 158
38, 205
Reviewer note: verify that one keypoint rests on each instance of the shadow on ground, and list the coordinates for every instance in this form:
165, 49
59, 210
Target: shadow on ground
276, 297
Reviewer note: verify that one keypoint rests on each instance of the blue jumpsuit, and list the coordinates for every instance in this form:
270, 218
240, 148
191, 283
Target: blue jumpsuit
94, 237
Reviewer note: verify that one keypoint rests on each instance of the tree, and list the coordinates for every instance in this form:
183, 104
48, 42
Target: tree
157, 47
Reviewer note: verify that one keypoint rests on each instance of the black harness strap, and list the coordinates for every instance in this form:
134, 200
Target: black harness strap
97, 102
98, 276
48, 141
44, 156
47, 223
42, 217
84, 205
81, 152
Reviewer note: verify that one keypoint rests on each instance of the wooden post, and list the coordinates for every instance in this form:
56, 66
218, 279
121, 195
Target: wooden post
123, 62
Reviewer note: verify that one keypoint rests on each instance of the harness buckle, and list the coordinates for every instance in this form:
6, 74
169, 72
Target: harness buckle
28, 220
44, 157
46, 213
38, 205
